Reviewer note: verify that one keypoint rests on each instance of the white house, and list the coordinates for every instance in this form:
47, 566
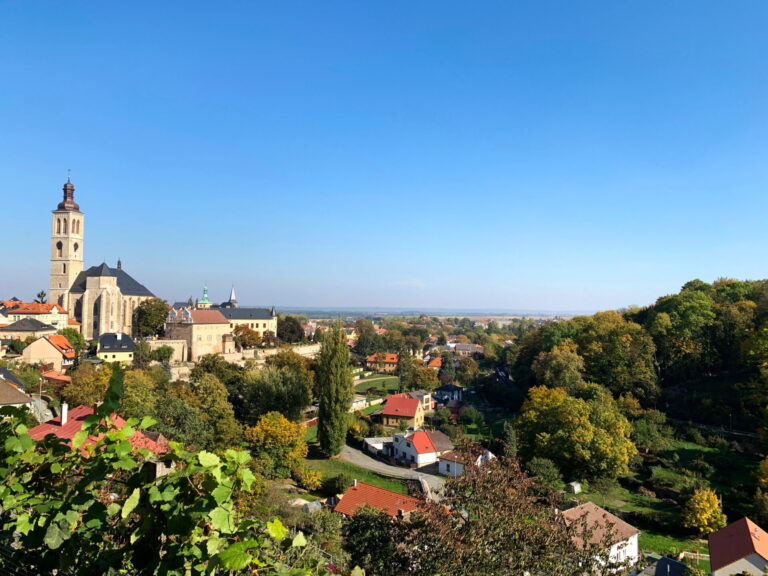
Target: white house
601, 524
420, 448
453, 463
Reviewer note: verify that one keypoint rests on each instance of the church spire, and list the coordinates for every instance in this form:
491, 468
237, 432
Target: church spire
233, 298
69, 203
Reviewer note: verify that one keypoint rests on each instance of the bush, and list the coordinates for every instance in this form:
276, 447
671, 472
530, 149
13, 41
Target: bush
643, 491
337, 484
702, 466
694, 435
307, 478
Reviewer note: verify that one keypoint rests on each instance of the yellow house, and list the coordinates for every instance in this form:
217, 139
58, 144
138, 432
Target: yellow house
204, 331
116, 347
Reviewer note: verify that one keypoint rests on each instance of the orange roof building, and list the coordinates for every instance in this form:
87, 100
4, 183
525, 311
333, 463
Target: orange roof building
54, 350
391, 503
51, 314
204, 331
740, 547
386, 363
593, 525
70, 422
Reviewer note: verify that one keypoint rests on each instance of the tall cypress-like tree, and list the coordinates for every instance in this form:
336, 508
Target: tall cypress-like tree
334, 390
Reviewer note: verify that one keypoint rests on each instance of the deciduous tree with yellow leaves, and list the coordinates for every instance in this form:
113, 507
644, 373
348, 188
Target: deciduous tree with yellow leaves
703, 512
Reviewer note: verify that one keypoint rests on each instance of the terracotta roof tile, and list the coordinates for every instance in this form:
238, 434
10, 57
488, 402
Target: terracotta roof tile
62, 345
36, 308
385, 500
396, 405
736, 541
422, 443
388, 358
75, 419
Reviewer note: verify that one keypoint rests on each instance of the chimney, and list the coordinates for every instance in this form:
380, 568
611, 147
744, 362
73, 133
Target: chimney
354, 483
64, 413
401, 513
119, 336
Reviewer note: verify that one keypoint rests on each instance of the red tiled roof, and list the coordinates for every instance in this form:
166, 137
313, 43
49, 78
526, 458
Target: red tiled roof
388, 358
36, 308
398, 405
208, 317
385, 500
62, 345
736, 541
56, 375
436, 363
75, 419
72, 322
599, 523
422, 443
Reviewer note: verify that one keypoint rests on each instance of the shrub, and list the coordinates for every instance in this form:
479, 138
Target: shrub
643, 491
695, 436
307, 478
337, 484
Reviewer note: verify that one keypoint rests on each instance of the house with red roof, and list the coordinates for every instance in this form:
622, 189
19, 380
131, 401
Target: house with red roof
739, 548
385, 363
69, 423
402, 410
53, 350
435, 364
391, 503
420, 448
51, 314
595, 526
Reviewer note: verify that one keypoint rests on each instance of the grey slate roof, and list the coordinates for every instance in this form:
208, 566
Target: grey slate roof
128, 286
441, 441
109, 343
246, 313
9, 376
27, 325
665, 567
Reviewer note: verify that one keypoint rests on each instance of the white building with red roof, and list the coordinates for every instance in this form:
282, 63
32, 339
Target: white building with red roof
420, 448
391, 503
739, 548
595, 526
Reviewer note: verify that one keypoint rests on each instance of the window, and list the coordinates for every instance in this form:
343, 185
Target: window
65, 226
58, 225
77, 247
64, 268
59, 249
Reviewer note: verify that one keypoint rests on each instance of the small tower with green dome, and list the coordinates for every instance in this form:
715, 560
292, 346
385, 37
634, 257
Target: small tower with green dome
204, 303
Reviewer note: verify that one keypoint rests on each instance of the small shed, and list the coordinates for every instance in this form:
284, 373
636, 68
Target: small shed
573, 487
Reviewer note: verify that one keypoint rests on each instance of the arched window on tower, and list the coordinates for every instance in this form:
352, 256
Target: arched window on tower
58, 225
59, 249
76, 247
64, 268
65, 225
77, 227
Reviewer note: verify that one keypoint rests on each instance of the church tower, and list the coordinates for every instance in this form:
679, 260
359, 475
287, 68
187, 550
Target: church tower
67, 226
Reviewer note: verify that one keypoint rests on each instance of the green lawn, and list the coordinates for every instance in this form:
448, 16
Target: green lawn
387, 385
311, 434
670, 545
333, 467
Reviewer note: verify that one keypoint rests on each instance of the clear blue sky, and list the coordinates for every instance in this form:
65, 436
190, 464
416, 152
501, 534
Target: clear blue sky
539, 155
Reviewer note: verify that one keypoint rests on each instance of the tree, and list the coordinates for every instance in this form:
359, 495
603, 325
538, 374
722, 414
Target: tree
406, 371
467, 371
447, 372
371, 537
273, 389
142, 354
562, 366
89, 384
102, 512
75, 338
297, 364
212, 397
334, 390
496, 520
163, 354
279, 442
181, 422
149, 317
289, 329
140, 395
651, 433
246, 337
703, 512
41, 297
368, 341
472, 416
269, 339
585, 436
425, 378
544, 471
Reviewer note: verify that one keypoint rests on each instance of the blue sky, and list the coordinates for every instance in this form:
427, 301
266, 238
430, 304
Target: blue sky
540, 155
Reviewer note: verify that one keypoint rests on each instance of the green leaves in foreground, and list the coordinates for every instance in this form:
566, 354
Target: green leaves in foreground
95, 507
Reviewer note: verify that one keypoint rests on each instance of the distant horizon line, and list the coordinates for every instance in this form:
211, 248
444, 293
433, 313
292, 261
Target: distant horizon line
427, 311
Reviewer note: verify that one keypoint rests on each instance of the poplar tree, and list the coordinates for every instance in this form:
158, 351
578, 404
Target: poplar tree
334, 390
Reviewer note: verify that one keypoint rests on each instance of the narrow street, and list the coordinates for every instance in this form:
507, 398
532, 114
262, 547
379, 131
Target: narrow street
358, 458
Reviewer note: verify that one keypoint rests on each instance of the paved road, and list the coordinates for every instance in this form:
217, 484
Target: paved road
358, 458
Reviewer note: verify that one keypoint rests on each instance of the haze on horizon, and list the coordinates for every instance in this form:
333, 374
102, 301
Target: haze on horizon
421, 156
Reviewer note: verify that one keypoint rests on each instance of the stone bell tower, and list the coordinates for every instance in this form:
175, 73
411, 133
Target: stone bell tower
67, 227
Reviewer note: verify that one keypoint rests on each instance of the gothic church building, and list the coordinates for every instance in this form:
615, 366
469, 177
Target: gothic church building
101, 299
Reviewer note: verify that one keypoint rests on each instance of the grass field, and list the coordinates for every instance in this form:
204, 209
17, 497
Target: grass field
333, 467
670, 545
383, 384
